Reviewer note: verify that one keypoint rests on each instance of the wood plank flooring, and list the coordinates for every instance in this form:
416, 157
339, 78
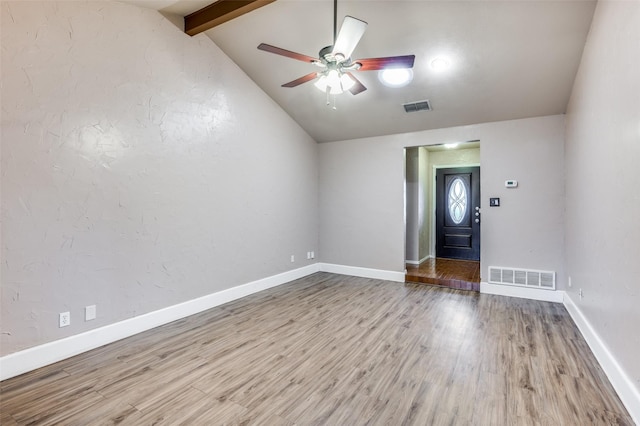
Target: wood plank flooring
335, 350
452, 273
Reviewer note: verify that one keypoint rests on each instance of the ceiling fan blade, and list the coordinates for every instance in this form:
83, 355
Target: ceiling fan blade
303, 79
350, 34
374, 64
287, 53
358, 87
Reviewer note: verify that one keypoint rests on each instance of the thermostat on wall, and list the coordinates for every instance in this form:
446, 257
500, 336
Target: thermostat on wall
511, 183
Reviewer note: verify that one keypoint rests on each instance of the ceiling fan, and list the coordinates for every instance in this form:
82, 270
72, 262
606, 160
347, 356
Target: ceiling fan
337, 66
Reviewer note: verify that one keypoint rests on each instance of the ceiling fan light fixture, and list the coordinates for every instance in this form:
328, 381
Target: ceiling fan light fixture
346, 81
329, 79
333, 79
396, 77
336, 81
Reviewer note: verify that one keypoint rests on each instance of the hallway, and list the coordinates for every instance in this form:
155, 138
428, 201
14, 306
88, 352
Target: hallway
452, 273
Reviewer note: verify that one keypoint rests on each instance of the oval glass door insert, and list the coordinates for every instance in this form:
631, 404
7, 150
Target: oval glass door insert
457, 203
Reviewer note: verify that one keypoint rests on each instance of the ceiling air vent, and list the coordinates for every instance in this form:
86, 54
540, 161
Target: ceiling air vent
417, 106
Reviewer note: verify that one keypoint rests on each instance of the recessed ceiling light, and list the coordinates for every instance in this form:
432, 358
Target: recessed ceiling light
440, 63
396, 77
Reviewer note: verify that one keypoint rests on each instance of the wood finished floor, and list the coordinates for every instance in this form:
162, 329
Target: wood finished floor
335, 350
452, 273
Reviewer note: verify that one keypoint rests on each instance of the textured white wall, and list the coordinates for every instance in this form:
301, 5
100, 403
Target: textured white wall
361, 209
140, 168
602, 181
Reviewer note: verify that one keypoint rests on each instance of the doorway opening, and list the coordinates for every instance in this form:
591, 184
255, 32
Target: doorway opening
442, 215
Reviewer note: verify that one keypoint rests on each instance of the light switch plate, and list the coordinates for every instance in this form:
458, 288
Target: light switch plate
90, 313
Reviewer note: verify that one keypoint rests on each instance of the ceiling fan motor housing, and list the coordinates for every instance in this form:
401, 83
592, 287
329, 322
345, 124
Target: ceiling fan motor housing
327, 54
337, 61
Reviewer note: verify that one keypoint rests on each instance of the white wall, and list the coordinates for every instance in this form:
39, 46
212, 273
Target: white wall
140, 168
424, 223
361, 208
413, 204
602, 181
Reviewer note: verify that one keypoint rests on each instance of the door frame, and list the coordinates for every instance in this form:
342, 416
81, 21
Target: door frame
432, 210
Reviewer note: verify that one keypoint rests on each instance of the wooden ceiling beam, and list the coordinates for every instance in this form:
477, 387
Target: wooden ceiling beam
218, 13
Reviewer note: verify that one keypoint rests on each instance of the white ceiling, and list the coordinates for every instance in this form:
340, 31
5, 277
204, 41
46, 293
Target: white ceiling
509, 59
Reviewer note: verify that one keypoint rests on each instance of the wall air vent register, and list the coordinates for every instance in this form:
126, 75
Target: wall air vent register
522, 277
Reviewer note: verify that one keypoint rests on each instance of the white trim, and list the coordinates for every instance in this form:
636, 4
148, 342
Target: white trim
555, 296
418, 262
455, 166
29, 359
362, 272
620, 380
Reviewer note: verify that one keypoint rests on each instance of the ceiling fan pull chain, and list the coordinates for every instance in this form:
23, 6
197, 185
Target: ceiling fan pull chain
334, 102
328, 90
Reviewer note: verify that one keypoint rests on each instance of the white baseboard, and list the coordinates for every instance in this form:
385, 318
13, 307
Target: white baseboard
362, 272
419, 262
29, 359
424, 259
555, 296
622, 383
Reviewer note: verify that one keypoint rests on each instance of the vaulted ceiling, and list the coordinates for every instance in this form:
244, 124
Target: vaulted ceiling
508, 59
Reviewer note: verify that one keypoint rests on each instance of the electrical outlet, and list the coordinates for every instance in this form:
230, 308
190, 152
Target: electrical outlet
293, 258
64, 319
90, 313
580, 293
313, 255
